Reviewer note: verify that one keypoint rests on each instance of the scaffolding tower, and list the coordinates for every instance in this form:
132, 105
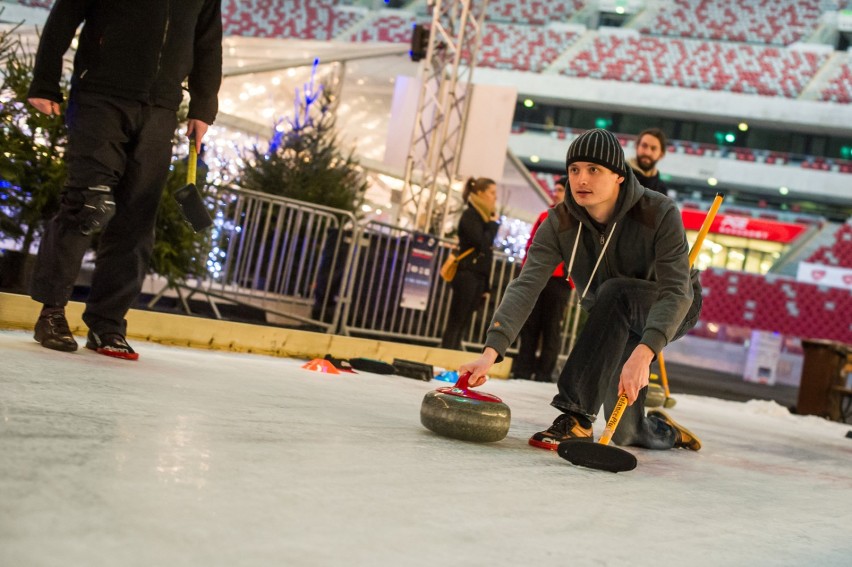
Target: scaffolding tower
445, 75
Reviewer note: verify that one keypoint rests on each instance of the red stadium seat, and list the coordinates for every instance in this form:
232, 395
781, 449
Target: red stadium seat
775, 303
767, 71
762, 21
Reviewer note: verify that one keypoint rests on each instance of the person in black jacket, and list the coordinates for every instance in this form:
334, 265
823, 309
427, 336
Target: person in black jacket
477, 229
131, 61
650, 149
542, 328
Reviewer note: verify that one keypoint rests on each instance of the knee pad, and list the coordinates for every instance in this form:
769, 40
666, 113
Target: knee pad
96, 210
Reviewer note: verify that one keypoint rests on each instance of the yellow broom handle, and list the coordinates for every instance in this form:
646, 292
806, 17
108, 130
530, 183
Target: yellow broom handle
191, 163
705, 228
693, 254
663, 376
620, 406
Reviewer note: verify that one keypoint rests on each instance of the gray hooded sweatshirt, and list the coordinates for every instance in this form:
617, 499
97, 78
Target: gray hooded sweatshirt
644, 240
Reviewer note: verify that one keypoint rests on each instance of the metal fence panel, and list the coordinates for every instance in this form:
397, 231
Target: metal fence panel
318, 266
280, 255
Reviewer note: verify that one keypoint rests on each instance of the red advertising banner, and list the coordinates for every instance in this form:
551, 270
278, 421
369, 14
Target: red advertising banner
745, 227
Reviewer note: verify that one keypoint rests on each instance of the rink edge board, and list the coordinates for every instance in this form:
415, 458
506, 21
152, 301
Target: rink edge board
20, 312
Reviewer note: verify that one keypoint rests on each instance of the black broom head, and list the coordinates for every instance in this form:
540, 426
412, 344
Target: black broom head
597, 456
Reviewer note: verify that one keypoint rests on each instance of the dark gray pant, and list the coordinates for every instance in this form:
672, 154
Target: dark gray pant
127, 146
591, 373
468, 287
542, 324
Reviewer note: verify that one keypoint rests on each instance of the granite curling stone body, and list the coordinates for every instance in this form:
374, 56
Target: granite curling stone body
462, 413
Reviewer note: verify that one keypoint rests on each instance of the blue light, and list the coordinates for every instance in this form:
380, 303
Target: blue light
448, 376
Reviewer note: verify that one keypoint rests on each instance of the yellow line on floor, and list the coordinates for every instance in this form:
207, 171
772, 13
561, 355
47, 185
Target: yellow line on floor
21, 312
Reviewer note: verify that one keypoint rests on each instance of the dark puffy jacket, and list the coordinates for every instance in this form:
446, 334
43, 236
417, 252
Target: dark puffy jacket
136, 50
479, 235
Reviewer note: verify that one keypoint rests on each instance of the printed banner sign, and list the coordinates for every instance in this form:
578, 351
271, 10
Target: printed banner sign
746, 227
820, 274
418, 272
764, 352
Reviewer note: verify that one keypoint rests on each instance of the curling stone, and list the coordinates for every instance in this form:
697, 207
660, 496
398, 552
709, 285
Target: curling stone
655, 397
462, 413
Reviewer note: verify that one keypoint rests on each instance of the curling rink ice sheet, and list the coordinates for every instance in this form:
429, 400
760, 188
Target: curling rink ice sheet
199, 458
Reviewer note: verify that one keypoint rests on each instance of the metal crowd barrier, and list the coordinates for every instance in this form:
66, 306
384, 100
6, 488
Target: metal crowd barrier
319, 268
278, 255
373, 300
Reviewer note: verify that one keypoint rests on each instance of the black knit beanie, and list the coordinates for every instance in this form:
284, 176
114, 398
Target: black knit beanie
597, 146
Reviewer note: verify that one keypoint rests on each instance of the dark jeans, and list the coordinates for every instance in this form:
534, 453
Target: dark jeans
542, 324
127, 146
468, 287
590, 376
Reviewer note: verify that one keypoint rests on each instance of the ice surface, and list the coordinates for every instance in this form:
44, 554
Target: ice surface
190, 457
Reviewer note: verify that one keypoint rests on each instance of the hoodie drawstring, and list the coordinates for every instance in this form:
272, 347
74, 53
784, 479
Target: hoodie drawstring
598, 263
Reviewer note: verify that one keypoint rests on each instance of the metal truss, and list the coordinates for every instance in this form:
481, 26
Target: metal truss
446, 77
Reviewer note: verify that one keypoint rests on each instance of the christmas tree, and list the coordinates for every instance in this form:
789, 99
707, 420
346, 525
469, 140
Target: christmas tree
304, 160
32, 171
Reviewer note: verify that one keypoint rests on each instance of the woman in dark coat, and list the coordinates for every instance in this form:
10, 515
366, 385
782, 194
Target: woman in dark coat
477, 229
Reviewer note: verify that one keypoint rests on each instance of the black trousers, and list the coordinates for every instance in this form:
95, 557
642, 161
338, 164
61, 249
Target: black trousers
591, 373
468, 287
542, 326
127, 146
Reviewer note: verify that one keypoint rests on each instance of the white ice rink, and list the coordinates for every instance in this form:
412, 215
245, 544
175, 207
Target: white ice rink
190, 457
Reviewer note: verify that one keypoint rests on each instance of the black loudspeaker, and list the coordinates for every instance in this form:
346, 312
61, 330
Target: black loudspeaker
419, 42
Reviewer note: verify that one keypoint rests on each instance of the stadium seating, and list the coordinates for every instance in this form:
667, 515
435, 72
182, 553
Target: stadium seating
522, 47
773, 303
532, 11
690, 148
303, 19
697, 64
839, 88
504, 46
773, 22
393, 28
546, 180
839, 253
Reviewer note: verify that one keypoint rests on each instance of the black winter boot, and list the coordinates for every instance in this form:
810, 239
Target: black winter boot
52, 330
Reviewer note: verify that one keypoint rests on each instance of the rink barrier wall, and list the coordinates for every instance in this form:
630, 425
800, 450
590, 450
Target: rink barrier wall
20, 312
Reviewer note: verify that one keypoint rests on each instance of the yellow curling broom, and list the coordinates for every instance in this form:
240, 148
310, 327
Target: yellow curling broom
602, 455
189, 199
669, 401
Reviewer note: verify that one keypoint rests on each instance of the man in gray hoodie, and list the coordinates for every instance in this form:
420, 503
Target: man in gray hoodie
626, 251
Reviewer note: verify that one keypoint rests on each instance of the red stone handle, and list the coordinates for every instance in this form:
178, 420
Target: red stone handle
462, 382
